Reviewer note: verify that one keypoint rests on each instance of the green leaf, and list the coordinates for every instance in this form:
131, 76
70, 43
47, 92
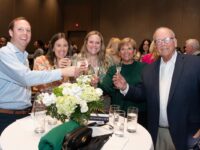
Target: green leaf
58, 91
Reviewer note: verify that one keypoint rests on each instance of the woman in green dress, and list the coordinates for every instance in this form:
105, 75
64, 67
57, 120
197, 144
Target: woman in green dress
131, 71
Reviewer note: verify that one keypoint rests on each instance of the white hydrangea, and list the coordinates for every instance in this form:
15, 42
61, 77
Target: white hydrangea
84, 79
47, 99
73, 95
99, 92
66, 105
84, 106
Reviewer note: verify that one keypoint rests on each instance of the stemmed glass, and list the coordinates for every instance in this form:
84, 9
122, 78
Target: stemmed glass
69, 59
96, 70
82, 62
119, 67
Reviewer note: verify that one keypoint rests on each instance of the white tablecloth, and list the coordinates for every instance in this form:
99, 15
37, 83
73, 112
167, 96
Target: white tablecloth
20, 135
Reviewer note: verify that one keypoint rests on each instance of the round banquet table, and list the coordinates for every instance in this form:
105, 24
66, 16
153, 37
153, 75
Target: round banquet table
20, 135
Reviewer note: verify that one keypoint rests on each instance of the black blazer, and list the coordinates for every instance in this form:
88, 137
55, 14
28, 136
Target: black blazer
183, 107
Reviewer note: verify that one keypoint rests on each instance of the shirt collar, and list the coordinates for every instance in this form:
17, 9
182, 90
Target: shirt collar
16, 50
172, 60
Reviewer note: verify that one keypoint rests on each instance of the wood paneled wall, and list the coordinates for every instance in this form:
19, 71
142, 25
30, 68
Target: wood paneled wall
134, 18
45, 16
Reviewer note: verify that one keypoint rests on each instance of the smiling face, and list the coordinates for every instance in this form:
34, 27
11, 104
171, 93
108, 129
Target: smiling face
60, 48
20, 34
93, 44
146, 46
126, 53
165, 42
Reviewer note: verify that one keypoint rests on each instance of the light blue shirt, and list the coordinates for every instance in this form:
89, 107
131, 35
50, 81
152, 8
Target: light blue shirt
16, 78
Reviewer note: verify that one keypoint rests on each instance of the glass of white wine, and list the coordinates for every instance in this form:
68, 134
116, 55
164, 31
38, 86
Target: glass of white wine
118, 67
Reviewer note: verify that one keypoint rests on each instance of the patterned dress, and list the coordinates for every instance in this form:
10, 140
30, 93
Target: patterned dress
42, 63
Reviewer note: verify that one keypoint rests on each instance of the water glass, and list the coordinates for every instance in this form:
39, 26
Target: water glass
39, 115
119, 122
112, 110
132, 116
52, 121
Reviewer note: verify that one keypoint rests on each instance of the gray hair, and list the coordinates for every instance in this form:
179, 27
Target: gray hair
194, 43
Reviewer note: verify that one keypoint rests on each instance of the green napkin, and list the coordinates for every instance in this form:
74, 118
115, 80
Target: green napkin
54, 138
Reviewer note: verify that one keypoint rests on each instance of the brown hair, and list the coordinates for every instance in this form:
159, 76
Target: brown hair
12, 23
51, 54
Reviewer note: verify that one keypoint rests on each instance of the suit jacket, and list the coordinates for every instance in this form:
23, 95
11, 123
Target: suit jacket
183, 109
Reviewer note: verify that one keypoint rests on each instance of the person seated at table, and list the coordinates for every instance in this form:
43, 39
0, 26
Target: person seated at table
55, 58
16, 78
131, 70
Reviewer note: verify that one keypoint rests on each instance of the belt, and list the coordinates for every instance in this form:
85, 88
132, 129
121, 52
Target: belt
16, 112
163, 127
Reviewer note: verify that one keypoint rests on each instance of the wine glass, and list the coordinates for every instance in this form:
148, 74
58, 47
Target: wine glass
82, 61
118, 67
69, 60
96, 70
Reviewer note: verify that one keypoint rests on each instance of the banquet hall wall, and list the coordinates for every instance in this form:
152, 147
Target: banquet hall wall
121, 18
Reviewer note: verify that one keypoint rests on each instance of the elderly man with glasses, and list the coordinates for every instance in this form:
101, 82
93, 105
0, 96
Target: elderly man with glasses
171, 87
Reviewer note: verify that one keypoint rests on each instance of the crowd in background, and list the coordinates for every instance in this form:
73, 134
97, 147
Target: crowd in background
58, 54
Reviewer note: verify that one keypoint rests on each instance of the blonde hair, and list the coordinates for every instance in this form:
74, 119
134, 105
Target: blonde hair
152, 49
101, 53
128, 40
113, 43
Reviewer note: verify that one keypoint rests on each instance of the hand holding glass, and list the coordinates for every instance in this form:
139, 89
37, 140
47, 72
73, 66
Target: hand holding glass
82, 61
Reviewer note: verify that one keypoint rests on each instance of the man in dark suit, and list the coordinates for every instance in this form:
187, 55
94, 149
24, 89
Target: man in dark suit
171, 87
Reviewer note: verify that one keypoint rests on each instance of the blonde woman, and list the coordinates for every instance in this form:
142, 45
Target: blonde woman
112, 52
93, 50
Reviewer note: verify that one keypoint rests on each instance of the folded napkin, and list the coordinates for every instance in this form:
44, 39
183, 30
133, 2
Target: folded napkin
54, 138
116, 143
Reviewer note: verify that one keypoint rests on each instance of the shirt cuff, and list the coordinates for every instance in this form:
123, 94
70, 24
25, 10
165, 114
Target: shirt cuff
124, 92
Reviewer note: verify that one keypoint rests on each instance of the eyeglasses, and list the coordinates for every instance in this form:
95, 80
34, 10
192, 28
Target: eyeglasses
130, 48
165, 40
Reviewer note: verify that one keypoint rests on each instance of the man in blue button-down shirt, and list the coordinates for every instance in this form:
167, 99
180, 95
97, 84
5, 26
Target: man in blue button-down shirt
16, 78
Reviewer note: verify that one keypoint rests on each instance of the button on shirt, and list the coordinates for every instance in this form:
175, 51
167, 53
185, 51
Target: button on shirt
166, 72
16, 78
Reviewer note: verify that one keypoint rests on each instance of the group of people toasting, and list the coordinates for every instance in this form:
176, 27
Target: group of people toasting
167, 92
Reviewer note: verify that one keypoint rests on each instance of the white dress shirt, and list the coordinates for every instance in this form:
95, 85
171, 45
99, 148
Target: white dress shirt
165, 78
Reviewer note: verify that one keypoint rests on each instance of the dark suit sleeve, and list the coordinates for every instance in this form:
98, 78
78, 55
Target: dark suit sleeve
136, 93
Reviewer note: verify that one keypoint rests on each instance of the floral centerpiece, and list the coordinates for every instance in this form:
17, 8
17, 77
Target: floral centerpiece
74, 101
